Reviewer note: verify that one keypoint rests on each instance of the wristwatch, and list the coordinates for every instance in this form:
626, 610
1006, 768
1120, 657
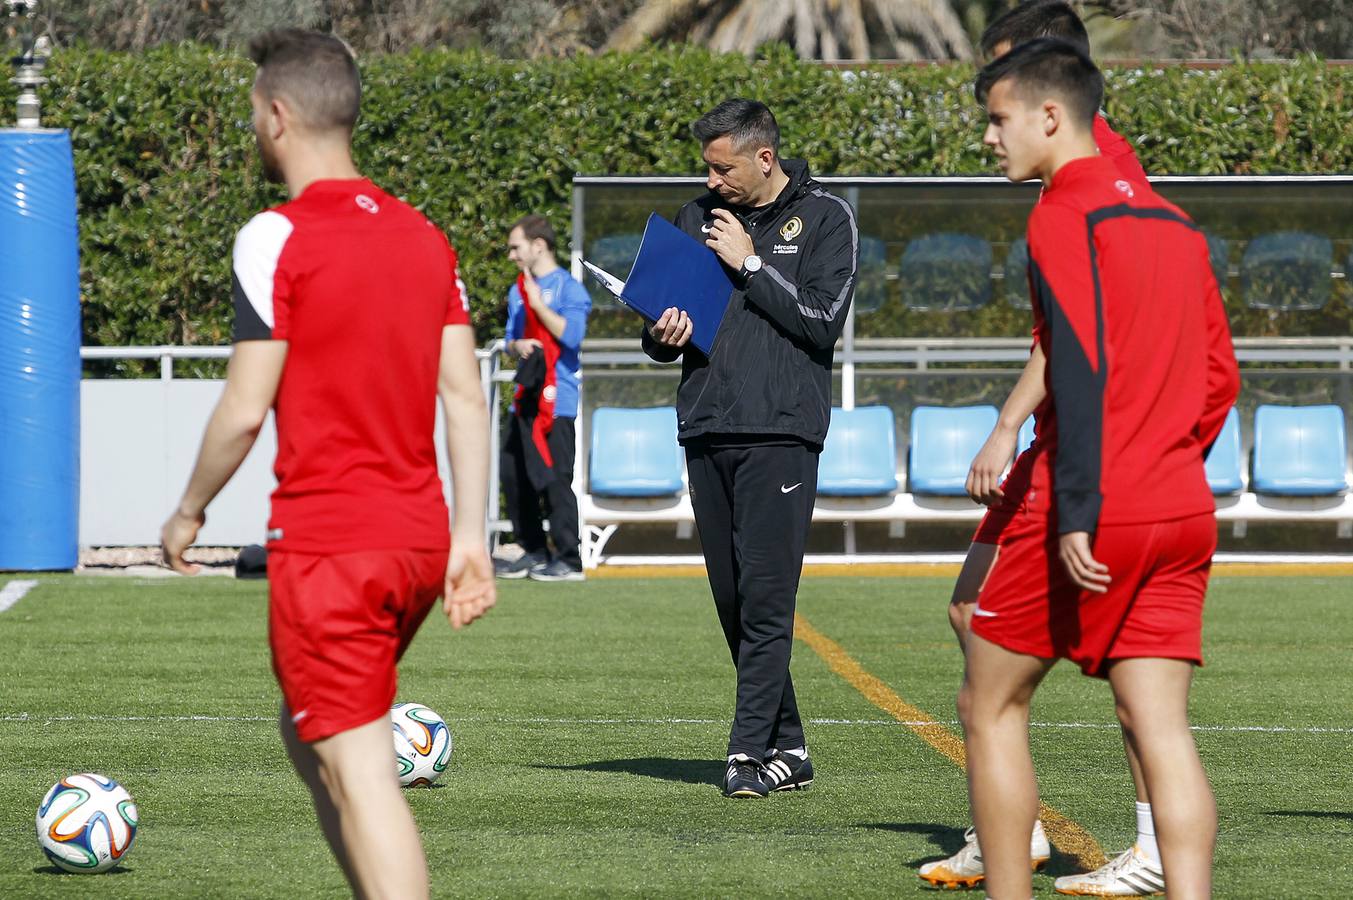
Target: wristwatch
750, 266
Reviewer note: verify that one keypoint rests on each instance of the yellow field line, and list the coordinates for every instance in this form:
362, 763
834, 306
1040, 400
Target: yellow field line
1068, 836
950, 570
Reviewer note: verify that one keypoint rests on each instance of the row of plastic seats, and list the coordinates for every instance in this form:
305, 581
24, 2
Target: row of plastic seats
1298, 451
1287, 270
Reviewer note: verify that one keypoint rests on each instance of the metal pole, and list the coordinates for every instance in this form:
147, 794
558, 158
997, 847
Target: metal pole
34, 51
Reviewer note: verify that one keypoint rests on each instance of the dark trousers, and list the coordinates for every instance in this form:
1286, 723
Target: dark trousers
753, 506
524, 502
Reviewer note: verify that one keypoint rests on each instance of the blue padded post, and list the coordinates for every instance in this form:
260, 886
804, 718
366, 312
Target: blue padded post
635, 453
944, 441
1299, 450
39, 353
1224, 462
859, 457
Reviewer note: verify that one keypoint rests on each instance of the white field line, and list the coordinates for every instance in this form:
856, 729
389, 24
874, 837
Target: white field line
541, 720
13, 592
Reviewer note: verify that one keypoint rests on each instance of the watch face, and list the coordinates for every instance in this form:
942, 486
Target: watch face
752, 264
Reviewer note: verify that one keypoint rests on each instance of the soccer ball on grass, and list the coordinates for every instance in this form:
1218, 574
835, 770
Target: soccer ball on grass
422, 744
86, 823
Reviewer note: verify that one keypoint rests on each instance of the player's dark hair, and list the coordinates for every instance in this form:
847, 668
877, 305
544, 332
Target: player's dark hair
314, 72
1048, 66
535, 226
1036, 19
749, 123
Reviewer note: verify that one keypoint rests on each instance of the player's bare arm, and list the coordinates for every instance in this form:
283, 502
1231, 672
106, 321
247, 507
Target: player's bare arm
470, 590
984, 476
252, 376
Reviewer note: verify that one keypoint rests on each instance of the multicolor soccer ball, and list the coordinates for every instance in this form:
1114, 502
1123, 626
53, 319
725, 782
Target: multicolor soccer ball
86, 823
422, 744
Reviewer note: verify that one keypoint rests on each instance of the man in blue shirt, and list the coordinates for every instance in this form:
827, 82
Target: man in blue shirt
548, 302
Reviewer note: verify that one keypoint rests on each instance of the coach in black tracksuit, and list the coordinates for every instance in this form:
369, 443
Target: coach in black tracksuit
754, 416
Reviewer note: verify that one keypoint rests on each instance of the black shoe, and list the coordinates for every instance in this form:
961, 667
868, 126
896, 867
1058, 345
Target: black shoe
786, 772
519, 567
743, 779
556, 570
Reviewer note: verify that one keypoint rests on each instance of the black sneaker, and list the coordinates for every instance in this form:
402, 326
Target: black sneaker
786, 772
556, 570
519, 567
743, 779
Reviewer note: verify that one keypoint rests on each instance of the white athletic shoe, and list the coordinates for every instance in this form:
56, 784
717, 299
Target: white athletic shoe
1127, 875
964, 869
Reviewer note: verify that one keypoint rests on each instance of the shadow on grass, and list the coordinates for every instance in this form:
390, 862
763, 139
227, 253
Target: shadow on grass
685, 771
57, 870
946, 838
1310, 814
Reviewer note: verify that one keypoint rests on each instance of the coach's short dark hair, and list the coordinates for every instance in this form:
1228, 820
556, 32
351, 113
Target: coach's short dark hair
749, 123
535, 226
1048, 66
1036, 19
315, 72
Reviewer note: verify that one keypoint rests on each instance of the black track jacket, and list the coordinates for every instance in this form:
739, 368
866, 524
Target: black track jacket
772, 359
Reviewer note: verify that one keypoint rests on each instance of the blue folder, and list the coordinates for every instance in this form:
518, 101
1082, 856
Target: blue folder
673, 269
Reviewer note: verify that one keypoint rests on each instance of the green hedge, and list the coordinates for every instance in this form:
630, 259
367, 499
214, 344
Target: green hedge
167, 171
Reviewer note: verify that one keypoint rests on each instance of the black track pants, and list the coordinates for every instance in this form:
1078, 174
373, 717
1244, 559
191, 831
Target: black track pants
753, 506
524, 501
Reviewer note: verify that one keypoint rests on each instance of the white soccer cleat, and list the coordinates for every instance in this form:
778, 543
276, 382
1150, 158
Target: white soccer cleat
1129, 874
965, 870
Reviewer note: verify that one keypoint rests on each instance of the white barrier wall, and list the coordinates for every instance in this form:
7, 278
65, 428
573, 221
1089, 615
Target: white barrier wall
138, 442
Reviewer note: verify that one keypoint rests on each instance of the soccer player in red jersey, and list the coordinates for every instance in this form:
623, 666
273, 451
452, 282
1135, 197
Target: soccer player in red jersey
350, 322
1136, 870
1108, 560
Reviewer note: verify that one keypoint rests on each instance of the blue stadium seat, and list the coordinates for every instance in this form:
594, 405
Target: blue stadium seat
1224, 462
1026, 436
615, 253
871, 280
1287, 270
944, 441
859, 458
1017, 275
947, 272
634, 453
1299, 450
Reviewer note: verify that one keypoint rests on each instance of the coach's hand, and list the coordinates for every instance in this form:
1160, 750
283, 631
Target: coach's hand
177, 535
470, 588
1088, 573
673, 328
729, 239
984, 476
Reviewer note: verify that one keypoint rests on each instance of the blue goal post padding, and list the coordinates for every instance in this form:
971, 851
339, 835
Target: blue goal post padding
39, 352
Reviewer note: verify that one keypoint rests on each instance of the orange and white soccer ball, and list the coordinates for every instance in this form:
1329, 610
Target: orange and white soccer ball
86, 823
422, 744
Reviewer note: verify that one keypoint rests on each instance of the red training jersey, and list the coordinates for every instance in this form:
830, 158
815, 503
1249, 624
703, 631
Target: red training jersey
1116, 149
1141, 371
360, 285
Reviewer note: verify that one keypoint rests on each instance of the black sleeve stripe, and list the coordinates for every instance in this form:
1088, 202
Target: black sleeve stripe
1078, 402
249, 325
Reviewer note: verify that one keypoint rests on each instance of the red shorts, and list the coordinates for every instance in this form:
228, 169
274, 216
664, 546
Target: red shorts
1153, 608
1015, 486
337, 626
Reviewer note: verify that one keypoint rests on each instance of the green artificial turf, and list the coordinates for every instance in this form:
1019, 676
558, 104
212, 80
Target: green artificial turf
589, 722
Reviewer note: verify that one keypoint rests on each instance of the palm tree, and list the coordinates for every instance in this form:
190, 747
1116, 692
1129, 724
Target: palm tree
818, 29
